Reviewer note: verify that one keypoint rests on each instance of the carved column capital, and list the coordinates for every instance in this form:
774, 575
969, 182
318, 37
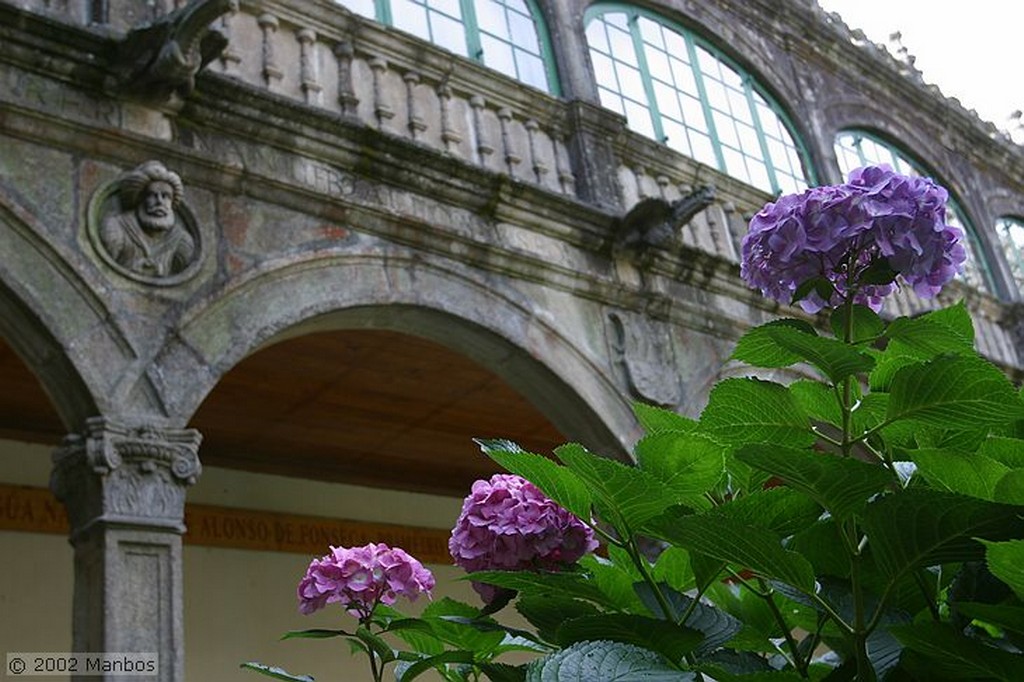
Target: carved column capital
129, 476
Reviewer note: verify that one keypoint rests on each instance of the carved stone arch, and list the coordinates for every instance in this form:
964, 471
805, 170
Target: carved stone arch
33, 275
498, 329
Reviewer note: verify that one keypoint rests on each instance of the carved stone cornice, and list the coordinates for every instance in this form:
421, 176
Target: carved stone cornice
127, 476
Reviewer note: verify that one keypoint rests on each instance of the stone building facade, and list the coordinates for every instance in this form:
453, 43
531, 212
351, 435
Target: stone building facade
319, 171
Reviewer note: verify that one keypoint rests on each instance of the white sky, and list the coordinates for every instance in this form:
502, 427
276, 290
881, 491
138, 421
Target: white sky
972, 50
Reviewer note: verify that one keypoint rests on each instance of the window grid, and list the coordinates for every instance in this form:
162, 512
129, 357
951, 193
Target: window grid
692, 99
855, 149
506, 35
1011, 238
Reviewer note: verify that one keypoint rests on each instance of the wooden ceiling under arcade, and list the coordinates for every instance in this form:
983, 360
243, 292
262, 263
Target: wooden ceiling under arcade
366, 407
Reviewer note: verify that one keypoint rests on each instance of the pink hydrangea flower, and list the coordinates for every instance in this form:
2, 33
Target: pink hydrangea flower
360, 577
508, 524
838, 231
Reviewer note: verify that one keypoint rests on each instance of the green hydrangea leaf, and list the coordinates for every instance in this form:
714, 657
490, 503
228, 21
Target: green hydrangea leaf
631, 495
746, 410
688, 463
672, 641
921, 527
557, 482
606, 661
655, 419
741, 544
953, 392
866, 323
1006, 562
759, 348
842, 485
949, 654
965, 473
274, 672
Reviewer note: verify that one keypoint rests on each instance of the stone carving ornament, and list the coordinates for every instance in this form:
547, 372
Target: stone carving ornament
643, 348
141, 226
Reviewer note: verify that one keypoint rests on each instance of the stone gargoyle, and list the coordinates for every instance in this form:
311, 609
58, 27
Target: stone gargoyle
654, 223
158, 61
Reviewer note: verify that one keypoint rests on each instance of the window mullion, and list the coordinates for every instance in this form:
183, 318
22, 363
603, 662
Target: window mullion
705, 103
645, 76
383, 10
473, 43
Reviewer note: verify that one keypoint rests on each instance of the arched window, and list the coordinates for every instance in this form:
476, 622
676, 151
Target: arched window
506, 35
677, 89
1011, 238
856, 148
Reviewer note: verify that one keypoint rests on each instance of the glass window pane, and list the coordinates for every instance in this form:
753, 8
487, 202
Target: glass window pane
622, 46
716, 95
448, 33
490, 16
726, 130
639, 118
668, 101
531, 70
449, 7
703, 150
657, 64
693, 113
651, 33
596, 37
604, 70
524, 32
411, 17
630, 84
675, 137
611, 100
498, 55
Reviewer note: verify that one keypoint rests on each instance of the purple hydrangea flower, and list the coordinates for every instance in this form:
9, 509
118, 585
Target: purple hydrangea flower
838, 231
359, 577
508, 524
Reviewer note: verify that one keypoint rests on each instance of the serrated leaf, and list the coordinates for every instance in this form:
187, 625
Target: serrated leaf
753, 411
835, 359
1010, 488
781, 510
275, 672
673, 568
632, 493
605, 661
614, 580
502, 672
668, 639
840, 484
316, 633
655, 419
953, 392
1009, 451
821, 544
688, 463
547, 613
1005, 561
1007, 617
958, 656
920, 527
416, 669
738, 543
968, 474
541, 582
555, 481
759, 348
866, 324
716, 626
818, 400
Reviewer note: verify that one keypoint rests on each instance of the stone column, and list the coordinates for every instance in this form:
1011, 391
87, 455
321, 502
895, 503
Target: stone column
592, 136
124, 489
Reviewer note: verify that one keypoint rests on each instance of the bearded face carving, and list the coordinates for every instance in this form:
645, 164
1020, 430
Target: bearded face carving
144, 231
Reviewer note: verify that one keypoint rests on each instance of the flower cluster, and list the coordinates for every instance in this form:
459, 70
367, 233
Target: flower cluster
359, 577
508, 524
838, 232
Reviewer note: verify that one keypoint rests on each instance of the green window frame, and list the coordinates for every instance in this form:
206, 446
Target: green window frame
678, 89
509, 36
855, 148
1010, 231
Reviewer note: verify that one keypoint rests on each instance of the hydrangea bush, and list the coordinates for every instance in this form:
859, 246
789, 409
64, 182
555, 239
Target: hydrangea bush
864, 523
508, 524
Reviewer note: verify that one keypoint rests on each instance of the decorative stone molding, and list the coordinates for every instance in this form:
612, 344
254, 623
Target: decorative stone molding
134, 476
141, 226
642, 347
158, 61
